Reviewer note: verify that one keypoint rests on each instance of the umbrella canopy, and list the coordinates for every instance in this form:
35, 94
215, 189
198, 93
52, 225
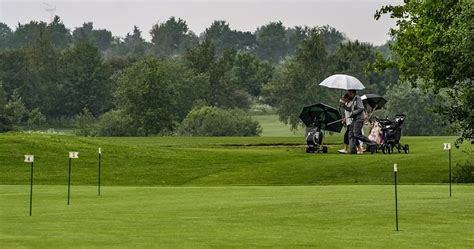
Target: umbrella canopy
375, 101
328, 117
342, 81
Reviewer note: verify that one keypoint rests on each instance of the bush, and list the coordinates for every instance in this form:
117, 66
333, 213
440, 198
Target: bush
214, 121
36, 119
464, 173
85, 123
116, 123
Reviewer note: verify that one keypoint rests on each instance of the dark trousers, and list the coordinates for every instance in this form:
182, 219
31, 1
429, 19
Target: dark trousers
346, 135
356, 133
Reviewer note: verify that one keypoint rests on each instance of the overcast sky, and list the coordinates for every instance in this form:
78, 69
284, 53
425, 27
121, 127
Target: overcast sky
354, 18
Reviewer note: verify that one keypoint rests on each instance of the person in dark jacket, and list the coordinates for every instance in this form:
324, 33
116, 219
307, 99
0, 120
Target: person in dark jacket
357, 113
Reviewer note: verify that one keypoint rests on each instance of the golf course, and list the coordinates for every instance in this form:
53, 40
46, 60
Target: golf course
229, 192
236, 124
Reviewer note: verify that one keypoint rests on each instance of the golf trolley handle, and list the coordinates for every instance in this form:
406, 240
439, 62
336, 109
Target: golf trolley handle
334, 122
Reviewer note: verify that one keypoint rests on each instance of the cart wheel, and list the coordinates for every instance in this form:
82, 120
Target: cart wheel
325, 149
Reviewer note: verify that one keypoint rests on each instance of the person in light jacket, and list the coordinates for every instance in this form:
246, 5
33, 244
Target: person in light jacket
357, 113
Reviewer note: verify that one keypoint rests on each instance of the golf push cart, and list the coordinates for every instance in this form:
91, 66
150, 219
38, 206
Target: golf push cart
317, 118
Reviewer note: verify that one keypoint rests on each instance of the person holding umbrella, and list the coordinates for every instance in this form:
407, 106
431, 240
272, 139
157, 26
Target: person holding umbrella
357, 113
347, 121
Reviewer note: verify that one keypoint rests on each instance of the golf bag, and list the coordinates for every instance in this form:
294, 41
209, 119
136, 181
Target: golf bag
391, 134
314, 140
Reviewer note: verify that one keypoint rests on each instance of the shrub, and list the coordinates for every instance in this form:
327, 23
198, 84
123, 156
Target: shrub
464, 173
214, 121
36, 119
116, 123
85, 123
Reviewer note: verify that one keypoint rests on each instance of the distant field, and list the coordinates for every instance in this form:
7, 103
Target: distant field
164, 161
273, 127
237, 217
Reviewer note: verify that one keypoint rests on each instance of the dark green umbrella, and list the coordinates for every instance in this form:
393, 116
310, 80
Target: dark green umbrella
328, 117
375, 101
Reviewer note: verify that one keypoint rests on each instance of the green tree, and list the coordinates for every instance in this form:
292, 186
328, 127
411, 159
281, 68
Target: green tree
251, 74
36, 119
158, 94
221, 35
294, 36
419, 107
356, 58
16, 110
202, 57
332, 38
26, 34
44, 62
5, 35
271, 42
295, 83
5, 124
172, 37
226, 89
16, 73
133, 45
86, 81
102, 38
60, 36
434, 49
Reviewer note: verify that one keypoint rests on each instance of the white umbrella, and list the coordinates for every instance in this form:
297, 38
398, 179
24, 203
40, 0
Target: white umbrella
342, 81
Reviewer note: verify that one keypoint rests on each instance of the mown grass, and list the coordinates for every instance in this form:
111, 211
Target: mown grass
162, 161
237, 217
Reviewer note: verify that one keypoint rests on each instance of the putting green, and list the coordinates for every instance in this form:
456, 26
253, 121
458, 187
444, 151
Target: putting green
237, 217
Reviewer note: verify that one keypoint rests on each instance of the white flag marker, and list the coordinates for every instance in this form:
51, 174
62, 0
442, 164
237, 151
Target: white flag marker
447, 146
29, 158
395, 168
73, 154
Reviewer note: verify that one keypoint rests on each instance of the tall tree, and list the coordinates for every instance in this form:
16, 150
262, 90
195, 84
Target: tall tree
60, 36
172, 37
5, 124
295, 83
251, 74
332, 38
16, 73
271, 42
294, 36
221, 35
44, 59
102, 38
5, 35
86, 81
25, 34
434, 49
158, 94
355, 58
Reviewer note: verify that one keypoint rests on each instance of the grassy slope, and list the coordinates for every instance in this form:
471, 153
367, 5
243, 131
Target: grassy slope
215, 161
237, 217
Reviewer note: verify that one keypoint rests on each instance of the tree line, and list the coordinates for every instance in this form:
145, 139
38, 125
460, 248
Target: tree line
128, 86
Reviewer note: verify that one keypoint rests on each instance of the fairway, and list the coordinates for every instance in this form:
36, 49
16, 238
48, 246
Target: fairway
229, 192
237, 217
